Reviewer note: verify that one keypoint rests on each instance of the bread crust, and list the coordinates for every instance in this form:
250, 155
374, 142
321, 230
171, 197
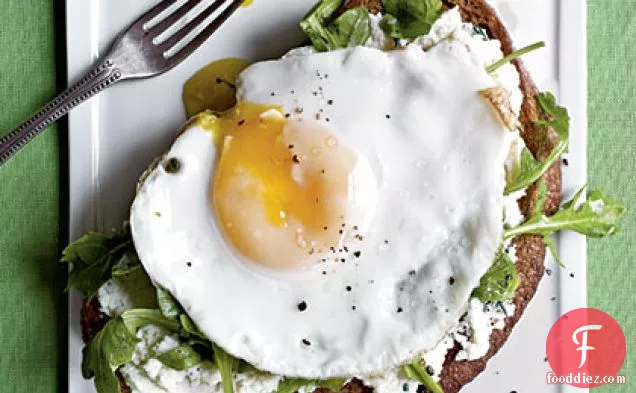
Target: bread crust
530, 250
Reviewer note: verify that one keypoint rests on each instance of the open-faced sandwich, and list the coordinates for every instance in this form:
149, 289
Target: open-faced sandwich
371, 214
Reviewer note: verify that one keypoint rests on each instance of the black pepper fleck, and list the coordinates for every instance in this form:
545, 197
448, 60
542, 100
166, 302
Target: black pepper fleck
272, 94
553, 298
566, 162
387, 116
241, 122
548, 272
348, 288
291, 146
302, 306
399, 309
343, 260
405, 387
430, 371
306, 342
353, 307
296, 159
324, 273
451, 280
173, 165
357, 254
412, 273
189, 264
330, 102
572, 275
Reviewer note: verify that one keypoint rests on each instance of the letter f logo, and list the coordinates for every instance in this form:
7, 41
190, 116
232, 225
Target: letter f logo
584, 347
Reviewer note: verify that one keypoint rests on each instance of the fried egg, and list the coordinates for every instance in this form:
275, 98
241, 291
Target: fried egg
336, 220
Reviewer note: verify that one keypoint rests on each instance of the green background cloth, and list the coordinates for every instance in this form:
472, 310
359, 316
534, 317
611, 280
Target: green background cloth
612, 164
33, 206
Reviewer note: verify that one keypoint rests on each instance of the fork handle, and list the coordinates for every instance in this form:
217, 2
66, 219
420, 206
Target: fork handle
96, 80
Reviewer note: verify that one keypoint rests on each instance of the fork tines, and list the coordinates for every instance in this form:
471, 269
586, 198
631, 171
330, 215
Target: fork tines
178, 27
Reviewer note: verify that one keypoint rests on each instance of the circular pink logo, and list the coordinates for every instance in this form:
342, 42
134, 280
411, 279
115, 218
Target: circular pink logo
586, 348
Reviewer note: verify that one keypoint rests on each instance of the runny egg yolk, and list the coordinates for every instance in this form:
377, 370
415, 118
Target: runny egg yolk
281, 188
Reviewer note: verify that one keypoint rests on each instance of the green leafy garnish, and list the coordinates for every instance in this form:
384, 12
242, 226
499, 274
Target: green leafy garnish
500, 281
169, 307
113, 347
139, 317
518, 53
352, 28
417, 372
595, 217
530, 169
409, 19
97, 258
181, 358
227, 365
292, 385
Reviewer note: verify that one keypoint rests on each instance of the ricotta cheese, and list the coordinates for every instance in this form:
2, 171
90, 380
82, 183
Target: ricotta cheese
146, 374
473, 332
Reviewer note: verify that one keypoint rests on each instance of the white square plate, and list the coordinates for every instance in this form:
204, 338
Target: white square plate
114, 137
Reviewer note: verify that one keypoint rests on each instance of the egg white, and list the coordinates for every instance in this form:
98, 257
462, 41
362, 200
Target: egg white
437, 152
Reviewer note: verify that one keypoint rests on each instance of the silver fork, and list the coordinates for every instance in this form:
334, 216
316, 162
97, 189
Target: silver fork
136, 53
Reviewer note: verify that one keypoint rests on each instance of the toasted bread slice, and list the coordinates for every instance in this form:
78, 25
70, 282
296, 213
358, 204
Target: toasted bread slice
530, 250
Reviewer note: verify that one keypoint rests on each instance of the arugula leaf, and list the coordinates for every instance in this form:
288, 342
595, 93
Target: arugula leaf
351, 28
292, 385
111, 347
227, 365
409, 19
530, 168
595, 217
500, 281
169, 307
518, 53
139, 317
417, 372
97, 258
181, 358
